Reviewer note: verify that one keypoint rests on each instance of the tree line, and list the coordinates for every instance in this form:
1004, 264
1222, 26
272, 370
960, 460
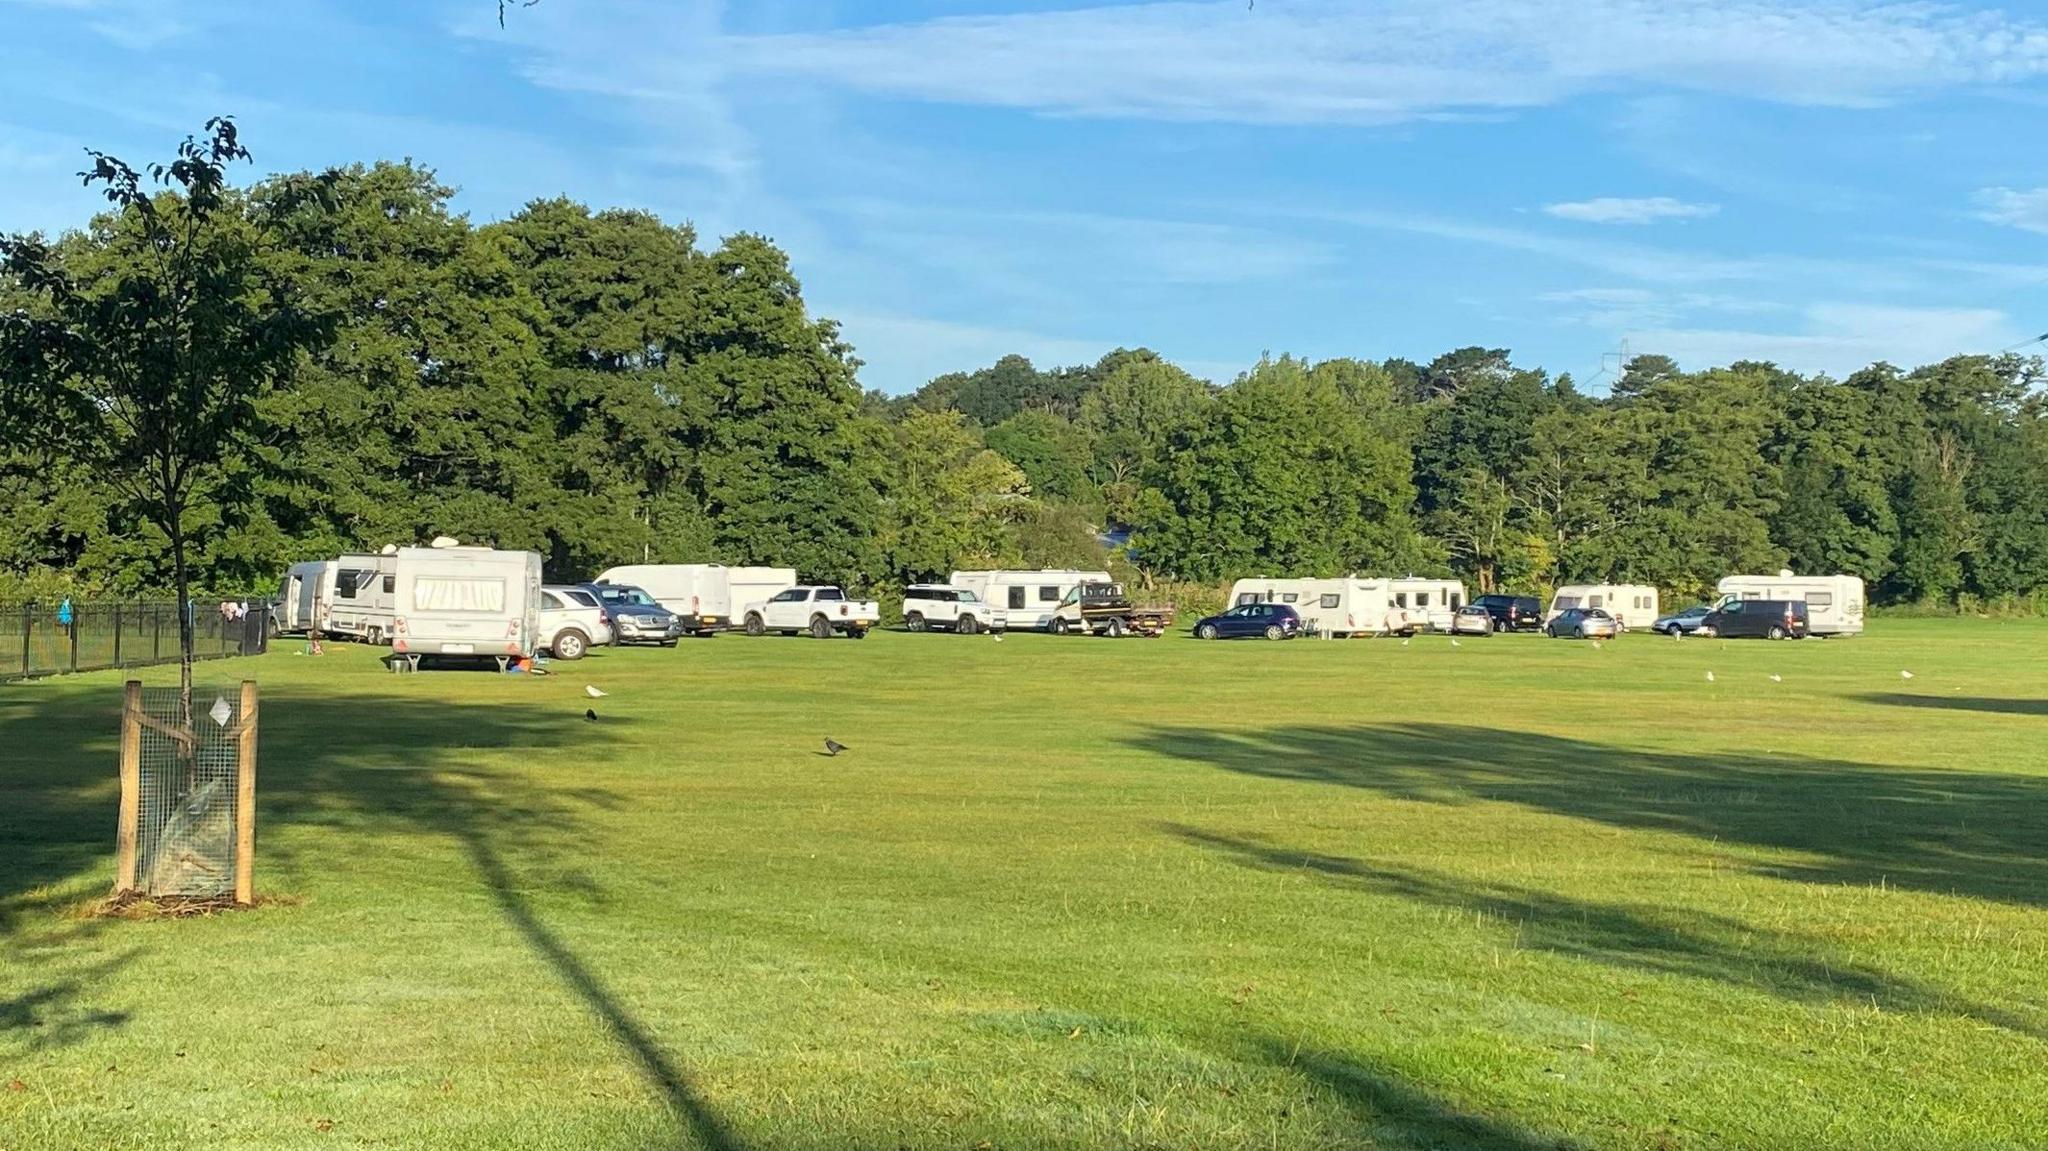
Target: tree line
602, 387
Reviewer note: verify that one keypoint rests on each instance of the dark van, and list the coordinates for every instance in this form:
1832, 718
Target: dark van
1756, 619
1512, 612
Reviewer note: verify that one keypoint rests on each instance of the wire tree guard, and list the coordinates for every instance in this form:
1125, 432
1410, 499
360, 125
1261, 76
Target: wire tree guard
188, 795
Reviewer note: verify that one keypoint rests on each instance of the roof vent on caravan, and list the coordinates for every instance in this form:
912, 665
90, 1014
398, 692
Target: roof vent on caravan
444, 542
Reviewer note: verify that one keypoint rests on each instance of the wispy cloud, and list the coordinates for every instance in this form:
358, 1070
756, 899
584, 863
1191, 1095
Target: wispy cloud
1326, 61
1622, 210
1840, 338
2015, 208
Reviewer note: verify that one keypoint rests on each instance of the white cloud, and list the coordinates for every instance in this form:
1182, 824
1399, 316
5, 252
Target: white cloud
1840, 338
1329, 61
2015, 208
1618, 210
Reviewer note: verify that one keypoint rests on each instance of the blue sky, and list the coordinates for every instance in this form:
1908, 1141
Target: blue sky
1820, 183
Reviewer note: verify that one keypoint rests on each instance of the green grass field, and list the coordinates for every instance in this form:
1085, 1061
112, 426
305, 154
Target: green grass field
1070, 893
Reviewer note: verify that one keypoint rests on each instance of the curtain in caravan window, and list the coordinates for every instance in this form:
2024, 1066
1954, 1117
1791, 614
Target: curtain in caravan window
458, 593
1596, 601
1823, 600
1330, 599
1017, 597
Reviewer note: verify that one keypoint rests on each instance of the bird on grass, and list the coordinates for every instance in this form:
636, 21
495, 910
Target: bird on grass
594, 691
590, 715
1905, 675
1596, 645
1710, 677
997, 635
834, 747
1776, 678
1404, 643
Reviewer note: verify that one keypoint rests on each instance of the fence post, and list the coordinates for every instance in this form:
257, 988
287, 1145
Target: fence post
117, 635
245, 800
77, 617
28, 633
131, 788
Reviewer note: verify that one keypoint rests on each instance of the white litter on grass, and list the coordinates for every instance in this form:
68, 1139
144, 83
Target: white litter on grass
220, 711
594, 691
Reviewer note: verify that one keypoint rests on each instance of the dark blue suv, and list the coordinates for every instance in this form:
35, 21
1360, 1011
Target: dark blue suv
1271, 620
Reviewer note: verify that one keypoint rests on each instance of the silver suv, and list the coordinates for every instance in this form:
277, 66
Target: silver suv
572, 622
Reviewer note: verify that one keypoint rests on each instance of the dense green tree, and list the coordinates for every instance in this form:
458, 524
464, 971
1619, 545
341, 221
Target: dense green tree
949, 498
1050, 450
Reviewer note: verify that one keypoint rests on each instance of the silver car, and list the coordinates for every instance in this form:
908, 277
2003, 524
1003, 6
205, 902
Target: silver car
572, 622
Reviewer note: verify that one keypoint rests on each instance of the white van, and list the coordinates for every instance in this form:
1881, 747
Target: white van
1027, 598
466, 601
704, 596
362, 603
302, 597
1354, 605
1834, 604
1634, 604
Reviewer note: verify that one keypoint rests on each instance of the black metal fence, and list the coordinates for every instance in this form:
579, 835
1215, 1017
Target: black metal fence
54, 638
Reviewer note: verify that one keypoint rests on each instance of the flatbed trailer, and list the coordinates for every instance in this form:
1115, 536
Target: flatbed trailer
1105, 609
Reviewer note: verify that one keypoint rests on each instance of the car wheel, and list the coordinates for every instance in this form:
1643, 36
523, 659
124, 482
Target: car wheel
570, 645
821, 628
1777, 632
754, 625
1273, 631
1058, 626
1206, 631
967, 625
914, 622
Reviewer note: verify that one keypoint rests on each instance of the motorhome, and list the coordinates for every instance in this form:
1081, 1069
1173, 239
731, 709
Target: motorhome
303, 596
466, 601
1834, 604
1354, 605
1027, 598
361, 604
1634, 605
704, 596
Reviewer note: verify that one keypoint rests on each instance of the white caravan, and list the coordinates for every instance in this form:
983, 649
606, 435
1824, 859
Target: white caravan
362, 604
705, 596
1352, 605
1634, 604
303, 596
1027, 598
1431, 601
467, 601
1834, 604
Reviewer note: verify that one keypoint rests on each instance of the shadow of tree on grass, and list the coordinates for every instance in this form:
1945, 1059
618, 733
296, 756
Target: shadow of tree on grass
1669, 941
1960, 703
1947, 832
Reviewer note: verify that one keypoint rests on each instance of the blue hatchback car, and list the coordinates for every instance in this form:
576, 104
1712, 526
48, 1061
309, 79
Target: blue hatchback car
1270, 620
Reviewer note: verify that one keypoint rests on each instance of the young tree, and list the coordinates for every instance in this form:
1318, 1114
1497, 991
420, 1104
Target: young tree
148, 340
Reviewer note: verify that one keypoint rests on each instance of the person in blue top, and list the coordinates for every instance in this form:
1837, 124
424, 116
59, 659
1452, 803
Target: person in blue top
64, 613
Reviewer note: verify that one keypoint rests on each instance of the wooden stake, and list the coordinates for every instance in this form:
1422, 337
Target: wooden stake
126, 830
245, 800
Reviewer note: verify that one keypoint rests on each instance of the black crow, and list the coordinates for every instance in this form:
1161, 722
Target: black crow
834, 747
590, 715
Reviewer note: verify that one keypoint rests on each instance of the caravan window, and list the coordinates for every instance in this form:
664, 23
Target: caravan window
1596, 601
1016, 597
1247, 597
1400, 599
1048, 593
458, 593
1290, 597
1457, 601
1422, 599
1564, 603
1330, 600
1821, 600
390, 584
351, 581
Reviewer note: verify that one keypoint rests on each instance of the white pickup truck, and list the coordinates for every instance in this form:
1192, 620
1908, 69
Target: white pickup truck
814, 608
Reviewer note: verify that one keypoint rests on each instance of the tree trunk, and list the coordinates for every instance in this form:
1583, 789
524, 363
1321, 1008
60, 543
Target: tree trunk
175, 528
